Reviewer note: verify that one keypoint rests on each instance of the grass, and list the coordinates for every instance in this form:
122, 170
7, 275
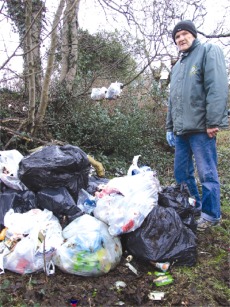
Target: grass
223, 139
223, 148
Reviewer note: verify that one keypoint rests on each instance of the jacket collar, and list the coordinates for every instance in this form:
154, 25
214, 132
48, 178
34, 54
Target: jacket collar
195, 43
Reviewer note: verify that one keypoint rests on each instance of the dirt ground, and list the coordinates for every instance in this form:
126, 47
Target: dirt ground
187, 288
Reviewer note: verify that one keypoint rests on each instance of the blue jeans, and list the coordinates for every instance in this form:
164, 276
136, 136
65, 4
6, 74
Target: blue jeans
203, 149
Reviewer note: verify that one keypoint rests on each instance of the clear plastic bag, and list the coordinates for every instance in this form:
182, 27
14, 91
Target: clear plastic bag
114, 90
142, 182
98, 93
126, 210
30, 241
89, 249
23, 223
9, 161
9, 165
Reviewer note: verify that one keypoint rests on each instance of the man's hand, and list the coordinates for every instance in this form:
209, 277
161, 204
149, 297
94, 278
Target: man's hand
170, 138
212, 132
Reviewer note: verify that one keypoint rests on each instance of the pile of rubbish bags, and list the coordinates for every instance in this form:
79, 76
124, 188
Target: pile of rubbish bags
55, 213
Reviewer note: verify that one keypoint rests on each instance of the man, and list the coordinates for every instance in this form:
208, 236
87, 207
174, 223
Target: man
197, 110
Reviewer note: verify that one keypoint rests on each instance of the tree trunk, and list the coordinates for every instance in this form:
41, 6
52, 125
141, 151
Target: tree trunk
36, 39
17, 10
47, 78
30, 62
69, 44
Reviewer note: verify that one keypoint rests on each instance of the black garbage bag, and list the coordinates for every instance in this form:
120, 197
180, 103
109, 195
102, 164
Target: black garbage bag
3, 187
177, 197
162, 237
20, 201
55, 166
94, 184
60, 202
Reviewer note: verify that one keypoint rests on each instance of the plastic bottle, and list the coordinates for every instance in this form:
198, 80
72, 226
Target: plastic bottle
86, 202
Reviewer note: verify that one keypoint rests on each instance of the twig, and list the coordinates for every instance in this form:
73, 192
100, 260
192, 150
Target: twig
23, 39
28, 138
7, 120
44, 255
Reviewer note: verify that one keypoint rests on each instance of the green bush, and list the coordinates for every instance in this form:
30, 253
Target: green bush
115, 131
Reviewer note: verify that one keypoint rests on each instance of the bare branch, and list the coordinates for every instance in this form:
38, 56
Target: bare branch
214, 35
27, 138
23, 39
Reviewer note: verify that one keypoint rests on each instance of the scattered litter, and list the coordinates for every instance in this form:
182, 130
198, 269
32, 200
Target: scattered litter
50, 268
156, 296
200, 252
192, 201
120, 303
157, 273
163, 280
162, 266
73, 302
129, 258
120, 284
131, 267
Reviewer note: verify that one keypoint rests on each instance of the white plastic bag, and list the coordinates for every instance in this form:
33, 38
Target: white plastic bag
89, 249
135, 169
98, 93
142, 182
23, 223
126, 210
9, 165
114, 90
29, 248
9, 161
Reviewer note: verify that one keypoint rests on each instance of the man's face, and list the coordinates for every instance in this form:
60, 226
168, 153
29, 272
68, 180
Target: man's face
184, 40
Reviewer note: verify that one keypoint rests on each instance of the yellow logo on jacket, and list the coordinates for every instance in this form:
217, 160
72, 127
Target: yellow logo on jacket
193, 70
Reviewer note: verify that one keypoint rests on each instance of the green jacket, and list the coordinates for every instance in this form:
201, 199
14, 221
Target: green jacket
198, 90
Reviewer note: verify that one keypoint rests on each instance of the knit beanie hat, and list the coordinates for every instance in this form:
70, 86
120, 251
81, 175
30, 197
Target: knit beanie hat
187, 25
